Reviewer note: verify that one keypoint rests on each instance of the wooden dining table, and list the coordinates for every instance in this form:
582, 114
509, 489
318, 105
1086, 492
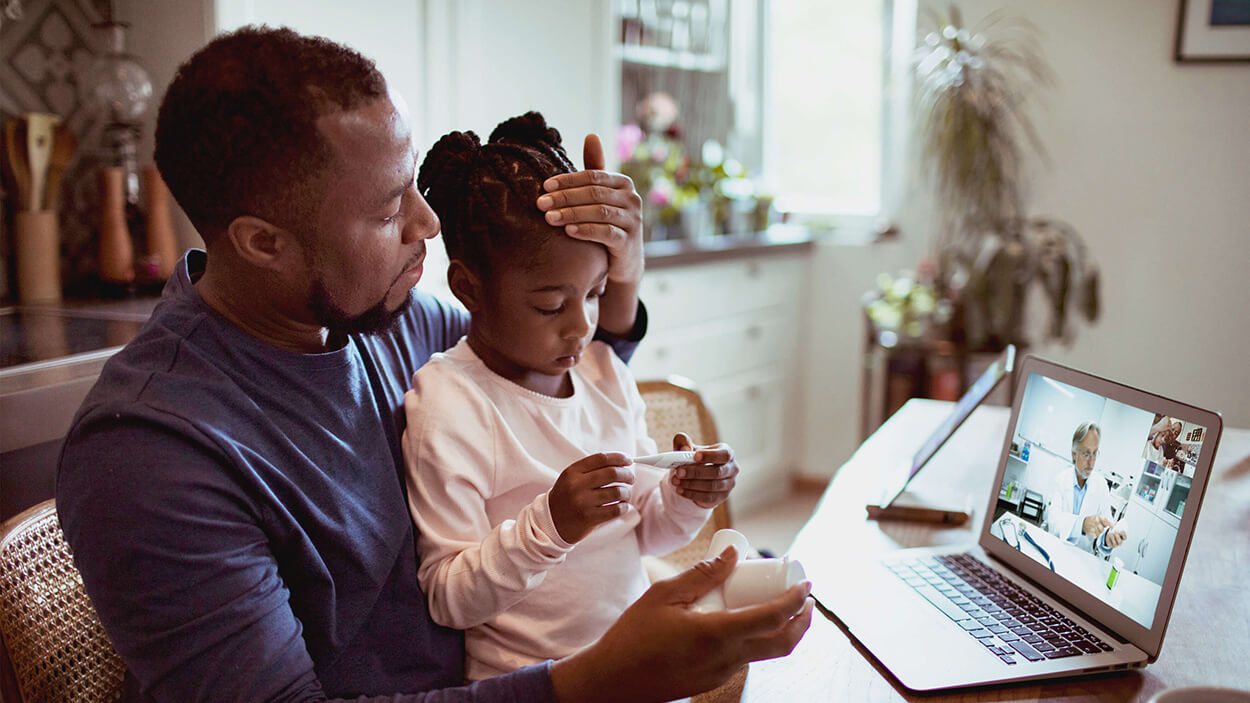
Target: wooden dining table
1208, 638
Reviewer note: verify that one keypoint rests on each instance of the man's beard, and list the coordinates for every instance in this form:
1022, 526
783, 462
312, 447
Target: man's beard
375, 320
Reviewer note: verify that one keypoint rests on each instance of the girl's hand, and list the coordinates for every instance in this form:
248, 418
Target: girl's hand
590, 492
709, 480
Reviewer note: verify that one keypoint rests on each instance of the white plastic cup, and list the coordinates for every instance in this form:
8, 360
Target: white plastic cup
724, 538
752, 581
759, 580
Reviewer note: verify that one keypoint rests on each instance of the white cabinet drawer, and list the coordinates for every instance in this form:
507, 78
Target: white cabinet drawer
681, 296
713, 350
750, 416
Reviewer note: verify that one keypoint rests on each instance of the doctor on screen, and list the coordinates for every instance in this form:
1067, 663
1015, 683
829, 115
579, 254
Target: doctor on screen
1079, 509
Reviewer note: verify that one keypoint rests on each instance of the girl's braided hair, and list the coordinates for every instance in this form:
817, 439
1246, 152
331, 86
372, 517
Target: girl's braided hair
485, 195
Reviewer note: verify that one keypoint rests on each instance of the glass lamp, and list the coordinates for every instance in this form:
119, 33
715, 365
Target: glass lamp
119, 89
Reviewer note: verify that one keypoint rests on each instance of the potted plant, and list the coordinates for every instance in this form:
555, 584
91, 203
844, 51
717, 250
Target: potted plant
976, 139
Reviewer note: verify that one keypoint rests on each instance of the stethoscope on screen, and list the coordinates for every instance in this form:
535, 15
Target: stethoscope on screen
1007, 522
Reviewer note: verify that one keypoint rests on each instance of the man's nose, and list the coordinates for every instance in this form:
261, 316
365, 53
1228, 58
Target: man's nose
423, 222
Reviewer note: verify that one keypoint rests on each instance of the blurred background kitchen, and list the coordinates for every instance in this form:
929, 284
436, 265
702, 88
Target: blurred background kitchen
814, 256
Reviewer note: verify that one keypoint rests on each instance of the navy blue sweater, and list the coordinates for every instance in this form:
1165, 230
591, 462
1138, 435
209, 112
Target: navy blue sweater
238, 513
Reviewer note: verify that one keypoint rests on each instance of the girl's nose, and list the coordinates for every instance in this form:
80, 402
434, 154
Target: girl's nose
580, 322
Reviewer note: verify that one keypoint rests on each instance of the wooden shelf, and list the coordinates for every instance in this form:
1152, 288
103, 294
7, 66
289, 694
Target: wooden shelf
661, 57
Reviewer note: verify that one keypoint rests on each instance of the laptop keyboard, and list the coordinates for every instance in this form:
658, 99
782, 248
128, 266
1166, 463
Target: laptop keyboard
1007, 620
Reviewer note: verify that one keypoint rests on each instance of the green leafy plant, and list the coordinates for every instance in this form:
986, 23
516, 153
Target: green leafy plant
976, 142
903, 306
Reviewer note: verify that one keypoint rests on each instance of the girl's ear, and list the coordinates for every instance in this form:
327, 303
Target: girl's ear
465, 284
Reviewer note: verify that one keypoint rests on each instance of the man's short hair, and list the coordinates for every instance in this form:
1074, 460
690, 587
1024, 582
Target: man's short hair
237, 130
1082, 430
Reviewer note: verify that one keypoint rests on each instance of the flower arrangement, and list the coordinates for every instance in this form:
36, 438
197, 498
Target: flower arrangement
684, 196
905, 306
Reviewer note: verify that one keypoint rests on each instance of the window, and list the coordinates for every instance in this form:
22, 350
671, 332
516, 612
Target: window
808, 95
836, 91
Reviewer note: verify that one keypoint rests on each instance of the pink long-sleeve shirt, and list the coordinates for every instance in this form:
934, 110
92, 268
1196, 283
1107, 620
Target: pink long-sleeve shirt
481, 453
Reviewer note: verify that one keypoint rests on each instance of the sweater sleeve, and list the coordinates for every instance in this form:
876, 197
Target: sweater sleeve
470, 570
626, 346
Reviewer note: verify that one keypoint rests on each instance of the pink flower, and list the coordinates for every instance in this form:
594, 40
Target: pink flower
661, 192
628, 137
657, 112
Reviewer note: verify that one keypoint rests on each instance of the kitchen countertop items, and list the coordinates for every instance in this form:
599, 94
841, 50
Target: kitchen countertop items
35, 162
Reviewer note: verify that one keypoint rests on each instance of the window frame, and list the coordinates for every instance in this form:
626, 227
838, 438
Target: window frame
898, 35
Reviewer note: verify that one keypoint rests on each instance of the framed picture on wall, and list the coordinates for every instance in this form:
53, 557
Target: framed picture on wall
1213, 30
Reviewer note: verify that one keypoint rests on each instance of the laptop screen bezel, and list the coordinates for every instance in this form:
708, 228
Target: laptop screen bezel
1149, 639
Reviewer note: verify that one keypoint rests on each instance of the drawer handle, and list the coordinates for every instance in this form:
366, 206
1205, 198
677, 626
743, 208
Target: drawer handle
661, 352
661, 286
754, 332
753, 392
753, 269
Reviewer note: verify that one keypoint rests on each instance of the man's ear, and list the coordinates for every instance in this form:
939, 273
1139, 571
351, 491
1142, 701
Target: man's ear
259, 242
465, 285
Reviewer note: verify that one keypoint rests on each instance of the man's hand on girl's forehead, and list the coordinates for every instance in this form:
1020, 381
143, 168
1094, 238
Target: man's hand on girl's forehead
599, 206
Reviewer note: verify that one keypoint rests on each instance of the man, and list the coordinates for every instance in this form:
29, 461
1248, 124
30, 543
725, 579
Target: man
1173, 454
231, 488
1079, 508
1155, 442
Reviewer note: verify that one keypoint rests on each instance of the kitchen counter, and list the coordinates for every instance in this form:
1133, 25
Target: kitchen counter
39, 336
778, 239
50, 356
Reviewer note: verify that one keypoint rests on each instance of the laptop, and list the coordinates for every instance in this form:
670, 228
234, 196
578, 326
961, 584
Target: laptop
1045, 593
894, 502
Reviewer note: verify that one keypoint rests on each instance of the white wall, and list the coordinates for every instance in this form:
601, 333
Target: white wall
1150, 161
163, 34
493, 59
1124, 431
389, 32
832, 360
1152, 164
1050, 412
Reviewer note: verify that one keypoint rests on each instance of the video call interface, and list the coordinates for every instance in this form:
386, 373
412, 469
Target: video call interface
1095, 489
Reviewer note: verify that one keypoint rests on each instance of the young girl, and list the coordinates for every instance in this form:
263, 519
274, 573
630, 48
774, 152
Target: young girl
533, 559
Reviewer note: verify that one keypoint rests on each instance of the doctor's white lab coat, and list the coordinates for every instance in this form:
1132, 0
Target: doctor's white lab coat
1062, 520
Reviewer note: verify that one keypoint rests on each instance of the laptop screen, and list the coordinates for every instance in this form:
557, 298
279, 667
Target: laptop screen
1095, 489
1002, 366
975, 394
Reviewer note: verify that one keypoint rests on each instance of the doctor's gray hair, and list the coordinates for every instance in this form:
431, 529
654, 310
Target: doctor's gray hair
1082, 430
